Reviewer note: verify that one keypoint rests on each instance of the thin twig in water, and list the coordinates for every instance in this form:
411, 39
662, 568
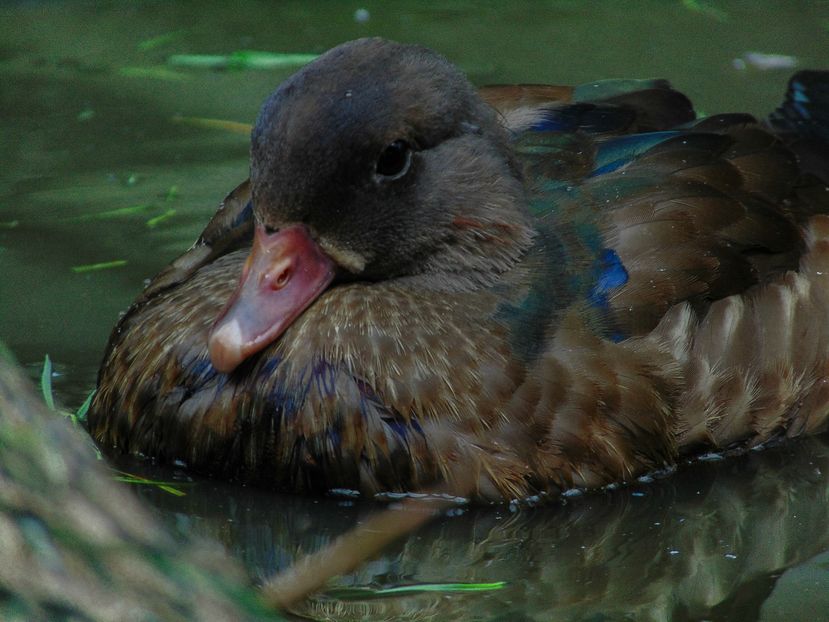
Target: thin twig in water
362, 543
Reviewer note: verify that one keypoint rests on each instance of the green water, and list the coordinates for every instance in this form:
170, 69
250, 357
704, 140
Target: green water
91, 124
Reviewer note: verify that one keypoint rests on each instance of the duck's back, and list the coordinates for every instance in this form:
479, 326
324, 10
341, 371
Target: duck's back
705, 321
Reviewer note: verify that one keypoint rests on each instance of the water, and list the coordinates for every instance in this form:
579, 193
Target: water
91, 124
741, 539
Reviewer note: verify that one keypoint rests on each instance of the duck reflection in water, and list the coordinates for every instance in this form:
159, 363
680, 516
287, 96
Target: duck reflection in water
706, 543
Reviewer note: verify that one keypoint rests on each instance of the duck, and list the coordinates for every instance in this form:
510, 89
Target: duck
527, 288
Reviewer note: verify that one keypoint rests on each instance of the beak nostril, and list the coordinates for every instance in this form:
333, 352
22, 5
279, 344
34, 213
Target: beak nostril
281, 279
279, 275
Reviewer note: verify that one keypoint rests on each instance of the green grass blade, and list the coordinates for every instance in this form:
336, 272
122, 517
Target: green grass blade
159, 40
69, 415
117, 263
80, 414
208, 61
46, 383
235, 127
171, 490
242, 59
152, 223
367, 593
129, 478
116, 213
706, 9
254, 59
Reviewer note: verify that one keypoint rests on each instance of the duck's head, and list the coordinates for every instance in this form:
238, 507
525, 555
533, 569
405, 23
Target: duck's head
376, 161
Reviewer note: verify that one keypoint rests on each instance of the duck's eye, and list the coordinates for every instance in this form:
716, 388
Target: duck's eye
395, 160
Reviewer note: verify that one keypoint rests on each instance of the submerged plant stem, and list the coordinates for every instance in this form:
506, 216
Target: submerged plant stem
363, 542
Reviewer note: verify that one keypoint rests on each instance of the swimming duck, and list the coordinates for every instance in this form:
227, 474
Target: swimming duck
533, 287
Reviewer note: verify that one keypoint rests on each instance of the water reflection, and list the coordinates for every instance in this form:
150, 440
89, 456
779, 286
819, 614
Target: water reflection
706, 543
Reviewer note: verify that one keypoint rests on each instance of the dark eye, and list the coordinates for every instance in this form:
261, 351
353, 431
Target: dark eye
395, 160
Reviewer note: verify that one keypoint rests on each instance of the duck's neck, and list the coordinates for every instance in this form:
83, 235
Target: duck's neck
483, 242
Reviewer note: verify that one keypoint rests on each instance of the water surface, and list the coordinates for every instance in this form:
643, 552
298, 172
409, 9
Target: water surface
97, 166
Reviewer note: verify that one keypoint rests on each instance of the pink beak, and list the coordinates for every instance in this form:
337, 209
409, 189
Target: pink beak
284, 273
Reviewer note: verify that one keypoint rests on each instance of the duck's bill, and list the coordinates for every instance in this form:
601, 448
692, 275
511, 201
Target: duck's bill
285, 272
